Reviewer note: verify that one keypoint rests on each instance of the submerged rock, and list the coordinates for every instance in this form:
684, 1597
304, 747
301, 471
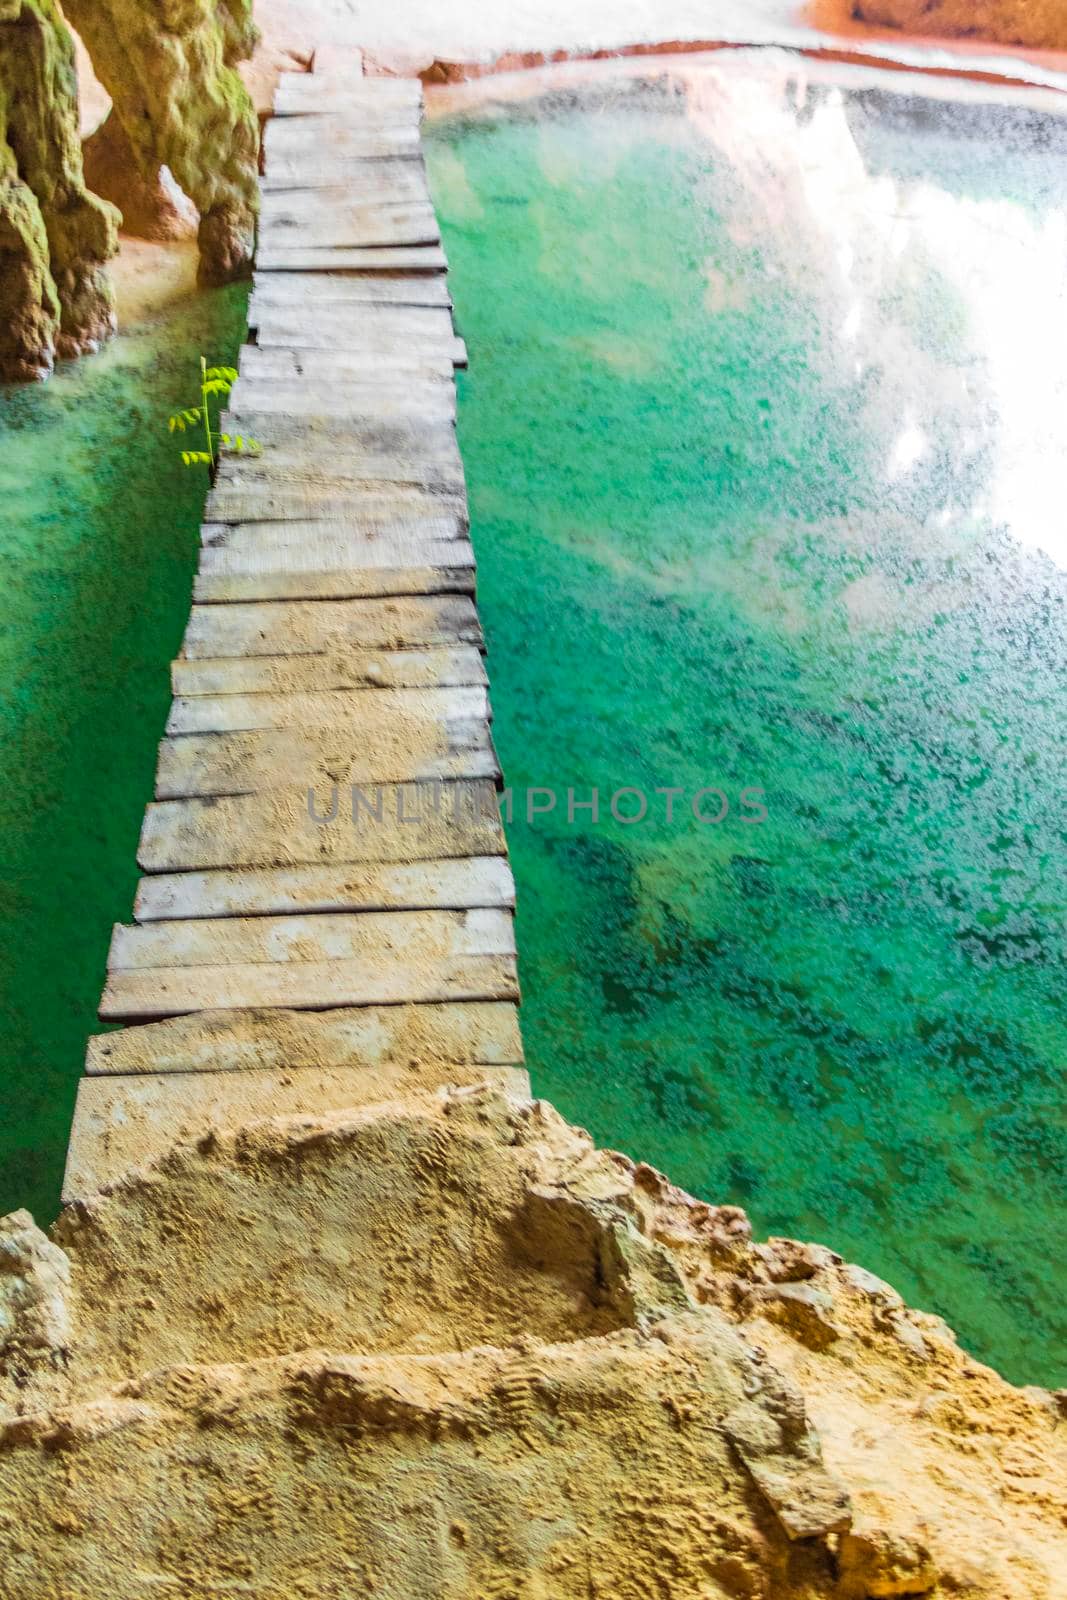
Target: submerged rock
441, 1345
168, 68
55, 237
1038, 24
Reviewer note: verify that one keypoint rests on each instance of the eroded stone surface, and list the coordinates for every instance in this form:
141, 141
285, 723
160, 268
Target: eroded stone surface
169, 71
55, 237
1038, 24
442, 1345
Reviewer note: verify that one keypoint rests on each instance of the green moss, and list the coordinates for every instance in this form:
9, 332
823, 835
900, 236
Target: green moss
55, 237
181, 106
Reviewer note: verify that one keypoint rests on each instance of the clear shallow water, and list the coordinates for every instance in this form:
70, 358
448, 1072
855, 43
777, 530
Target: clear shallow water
98, 535
764, 434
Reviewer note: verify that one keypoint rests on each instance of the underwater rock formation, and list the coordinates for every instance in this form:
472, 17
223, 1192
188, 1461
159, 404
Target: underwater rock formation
1039, 24
169, 71
55, 237
441, 1345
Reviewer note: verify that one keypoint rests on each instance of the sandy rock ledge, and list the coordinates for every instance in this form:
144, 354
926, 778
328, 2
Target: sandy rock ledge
442, 1346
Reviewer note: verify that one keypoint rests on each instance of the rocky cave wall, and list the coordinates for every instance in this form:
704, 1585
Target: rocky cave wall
55, 237
1037, 24
177, 102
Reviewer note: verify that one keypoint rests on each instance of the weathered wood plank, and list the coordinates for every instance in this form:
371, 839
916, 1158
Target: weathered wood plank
341, 471
355, 323
328, 288
429, 401
344, 213
480, 1033
348, 368
369, 501
364, 669
404, 936
276, 830
303, 759
388, 137
309, 985
362, 711
383, 258
350, 534
304, 332
339, 556
401, 886
357, 583
323, 628
123, 1124
389, 181
331, 436
314, 94
352, 227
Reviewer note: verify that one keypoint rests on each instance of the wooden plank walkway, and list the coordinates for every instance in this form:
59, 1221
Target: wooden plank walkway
327, 907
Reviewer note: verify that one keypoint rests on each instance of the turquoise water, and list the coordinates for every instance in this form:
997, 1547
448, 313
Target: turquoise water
757, 496
99, 532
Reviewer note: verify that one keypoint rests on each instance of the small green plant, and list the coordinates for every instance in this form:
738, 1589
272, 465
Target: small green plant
215, 385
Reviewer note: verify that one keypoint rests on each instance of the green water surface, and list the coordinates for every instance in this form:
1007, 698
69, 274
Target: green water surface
696, 570
98, 536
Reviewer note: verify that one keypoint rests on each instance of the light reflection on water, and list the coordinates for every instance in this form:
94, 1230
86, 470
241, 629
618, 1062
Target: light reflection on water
763, 431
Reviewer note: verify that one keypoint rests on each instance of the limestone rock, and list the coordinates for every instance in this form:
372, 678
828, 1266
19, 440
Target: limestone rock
441, 1345
151, 208
55, 237
1039, 24
168, 69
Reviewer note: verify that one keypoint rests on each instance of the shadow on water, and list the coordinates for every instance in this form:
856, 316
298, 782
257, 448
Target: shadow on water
763, 466
100, 530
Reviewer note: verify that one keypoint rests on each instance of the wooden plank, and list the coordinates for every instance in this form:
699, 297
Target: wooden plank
351, 533
430, 325
389, 181
348, 368
406, 396
406, 936
370, 713
303, 759
329, 436
348, 171
352, 227
360, 368
310, 985
346, 213
479, 1033
364, 669
317, 628
369, 501
312, 94
355, 583
304, 332
330, 288
125, 1124
340, 472
400, 886
341, 556
392, 136
276, 830
318, 258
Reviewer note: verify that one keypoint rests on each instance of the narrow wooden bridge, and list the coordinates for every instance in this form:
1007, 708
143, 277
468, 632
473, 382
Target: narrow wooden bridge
327, 903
